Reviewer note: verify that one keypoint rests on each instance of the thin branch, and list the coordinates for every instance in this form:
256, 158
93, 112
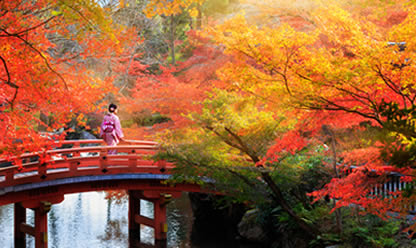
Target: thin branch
392, 85
223, 138
260, 60
8, 81
29, 29
337, 107
243, 178
8, 74
246, 149
40, 54
88, 21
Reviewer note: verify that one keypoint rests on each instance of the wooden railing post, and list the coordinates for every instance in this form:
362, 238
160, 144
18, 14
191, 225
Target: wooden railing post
76, 153
42, 170
103, 160
9, 176
132, 161
162, 165
73, 166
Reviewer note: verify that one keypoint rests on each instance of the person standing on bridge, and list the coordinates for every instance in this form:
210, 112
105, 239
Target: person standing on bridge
111, 131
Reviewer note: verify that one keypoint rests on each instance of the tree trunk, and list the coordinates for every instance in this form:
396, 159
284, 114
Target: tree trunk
172, 39
278, 196
199, 17
338, 212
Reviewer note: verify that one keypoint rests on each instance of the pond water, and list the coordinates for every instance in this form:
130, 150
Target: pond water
88, 220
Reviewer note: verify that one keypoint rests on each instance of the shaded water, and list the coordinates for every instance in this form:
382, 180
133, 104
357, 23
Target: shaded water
88, 220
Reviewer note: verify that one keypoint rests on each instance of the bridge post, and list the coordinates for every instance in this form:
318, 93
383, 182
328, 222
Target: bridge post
40, 230
134, 227
19, 219
160, 224
159, 221
41, 225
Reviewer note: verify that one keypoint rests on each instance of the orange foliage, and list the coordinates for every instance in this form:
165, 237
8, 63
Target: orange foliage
328, 64
344, 73
176, 91
39, 78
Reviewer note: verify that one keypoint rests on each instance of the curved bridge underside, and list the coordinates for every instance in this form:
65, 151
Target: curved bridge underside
39, 180
56, 189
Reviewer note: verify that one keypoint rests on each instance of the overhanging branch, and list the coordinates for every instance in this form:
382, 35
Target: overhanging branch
8, 81
40, 54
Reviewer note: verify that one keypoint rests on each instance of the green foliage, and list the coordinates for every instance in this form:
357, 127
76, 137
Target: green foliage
216, 7
399, 119
145, 119
239, 122
358, 231
284, 230
325, 239
300, 174
87, 15
371, 231
207, 162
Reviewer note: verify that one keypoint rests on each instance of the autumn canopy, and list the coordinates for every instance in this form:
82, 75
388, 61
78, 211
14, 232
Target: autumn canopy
249, 97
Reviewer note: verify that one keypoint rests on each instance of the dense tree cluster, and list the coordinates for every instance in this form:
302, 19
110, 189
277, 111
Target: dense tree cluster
298, 108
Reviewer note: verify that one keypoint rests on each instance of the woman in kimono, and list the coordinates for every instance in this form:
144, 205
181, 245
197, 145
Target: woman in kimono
111, 131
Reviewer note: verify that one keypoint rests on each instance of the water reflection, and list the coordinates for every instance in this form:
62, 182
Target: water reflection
6, 230
147, 233
88, 220
113, 228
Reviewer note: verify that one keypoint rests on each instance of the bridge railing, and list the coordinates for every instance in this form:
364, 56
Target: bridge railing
72, 158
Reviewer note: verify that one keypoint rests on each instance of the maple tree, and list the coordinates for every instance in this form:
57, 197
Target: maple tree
238, 131
339, 73
345, 68
47, 68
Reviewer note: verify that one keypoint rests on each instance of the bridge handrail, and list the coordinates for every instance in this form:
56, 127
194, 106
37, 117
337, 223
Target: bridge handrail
100, 141
77, 147
68, 162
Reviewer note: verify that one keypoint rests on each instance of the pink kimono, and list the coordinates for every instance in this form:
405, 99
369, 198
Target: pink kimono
111, 131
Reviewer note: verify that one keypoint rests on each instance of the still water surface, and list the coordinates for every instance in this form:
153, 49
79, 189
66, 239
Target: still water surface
88, 220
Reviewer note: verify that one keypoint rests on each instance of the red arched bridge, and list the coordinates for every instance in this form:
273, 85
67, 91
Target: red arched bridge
38, 180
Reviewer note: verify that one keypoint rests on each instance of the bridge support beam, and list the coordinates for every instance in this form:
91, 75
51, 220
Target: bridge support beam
19, 219
41, 225
134, 227
40, 230
159, 221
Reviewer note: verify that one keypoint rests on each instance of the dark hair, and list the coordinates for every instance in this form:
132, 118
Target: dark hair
112, 107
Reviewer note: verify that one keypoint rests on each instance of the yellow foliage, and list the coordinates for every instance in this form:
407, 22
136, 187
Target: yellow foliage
168, 7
